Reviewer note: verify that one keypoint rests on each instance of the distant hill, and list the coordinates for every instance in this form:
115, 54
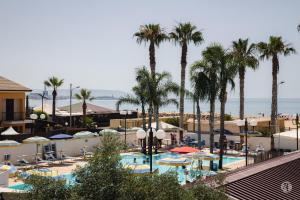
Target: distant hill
65, 94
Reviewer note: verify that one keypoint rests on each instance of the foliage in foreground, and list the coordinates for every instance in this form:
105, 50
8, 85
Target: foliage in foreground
105, 178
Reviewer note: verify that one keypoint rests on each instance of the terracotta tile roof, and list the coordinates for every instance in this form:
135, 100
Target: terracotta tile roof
8, 85
267, 180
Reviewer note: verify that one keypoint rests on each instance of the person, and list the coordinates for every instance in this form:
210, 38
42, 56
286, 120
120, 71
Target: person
134, 160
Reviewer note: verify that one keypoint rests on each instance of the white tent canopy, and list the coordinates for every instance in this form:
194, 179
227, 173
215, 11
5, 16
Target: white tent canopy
287, 140
165, 126
10, 131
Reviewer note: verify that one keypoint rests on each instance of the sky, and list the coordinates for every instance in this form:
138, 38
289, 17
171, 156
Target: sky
90, 43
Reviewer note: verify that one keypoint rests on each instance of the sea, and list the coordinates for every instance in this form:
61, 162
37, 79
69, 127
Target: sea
253, 106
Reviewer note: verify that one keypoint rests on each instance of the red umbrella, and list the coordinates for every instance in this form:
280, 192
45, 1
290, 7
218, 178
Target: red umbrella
185, 149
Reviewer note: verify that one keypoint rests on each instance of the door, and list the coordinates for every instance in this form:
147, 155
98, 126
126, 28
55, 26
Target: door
10, 109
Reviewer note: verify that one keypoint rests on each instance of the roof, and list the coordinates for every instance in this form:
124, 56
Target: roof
291, 134
8, 85
91, 109
277, 178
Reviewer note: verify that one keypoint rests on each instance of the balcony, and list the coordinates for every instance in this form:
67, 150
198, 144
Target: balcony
13, 116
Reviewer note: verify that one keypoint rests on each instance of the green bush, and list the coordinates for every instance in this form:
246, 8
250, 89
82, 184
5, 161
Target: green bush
228, 117
174, 121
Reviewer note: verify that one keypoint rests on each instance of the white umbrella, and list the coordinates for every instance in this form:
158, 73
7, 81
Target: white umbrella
10, 131
84, 134
108, 131
9, 143
36, 140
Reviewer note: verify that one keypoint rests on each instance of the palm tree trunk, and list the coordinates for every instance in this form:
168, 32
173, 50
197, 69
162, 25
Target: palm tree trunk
275, 67
144, 117
152, 57
84, 112
211, 126
157, 117
198, 124
222, 119
182, 89
242, 92
54, 93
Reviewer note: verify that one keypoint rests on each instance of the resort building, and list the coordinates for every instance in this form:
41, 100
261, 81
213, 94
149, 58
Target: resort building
12, 104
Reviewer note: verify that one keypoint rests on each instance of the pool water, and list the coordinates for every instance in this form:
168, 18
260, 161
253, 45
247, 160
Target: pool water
182, 177
128, 159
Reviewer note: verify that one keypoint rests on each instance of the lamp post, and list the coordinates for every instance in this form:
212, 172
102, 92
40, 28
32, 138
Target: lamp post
160, 134
35, 117
142, 135
125, 113
71, 95
296, 122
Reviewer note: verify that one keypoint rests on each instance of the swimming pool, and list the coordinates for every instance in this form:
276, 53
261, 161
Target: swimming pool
128, 158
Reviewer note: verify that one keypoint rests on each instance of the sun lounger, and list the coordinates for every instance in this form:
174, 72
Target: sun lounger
85, 153
23, 162
40, 160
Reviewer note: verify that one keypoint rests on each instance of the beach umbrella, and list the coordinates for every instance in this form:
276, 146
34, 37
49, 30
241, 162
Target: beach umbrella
197, 155
174, 161
9, 143
139, 169
10, 168
10, 131
61, 136
84, 134
36, 140
108, 131
185, 149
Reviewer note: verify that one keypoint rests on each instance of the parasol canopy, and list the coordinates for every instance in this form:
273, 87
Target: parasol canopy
139, 169
61, 136
185, 149
84, 134
174, 161
36, 139
108, 130
9, 143
10, 131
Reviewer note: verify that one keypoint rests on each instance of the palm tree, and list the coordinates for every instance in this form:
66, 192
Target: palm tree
157, 89
272, 50
210, 66
84, 95
55, 83
184, 34
200, 91
244, 57
227, 72
153, 34
139, 98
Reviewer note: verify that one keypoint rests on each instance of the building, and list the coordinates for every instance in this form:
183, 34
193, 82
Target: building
277, 178
12, 104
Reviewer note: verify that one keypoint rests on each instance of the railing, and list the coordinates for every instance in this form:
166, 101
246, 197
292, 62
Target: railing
12, 116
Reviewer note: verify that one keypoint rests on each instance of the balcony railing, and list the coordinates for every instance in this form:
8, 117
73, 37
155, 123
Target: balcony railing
13, 116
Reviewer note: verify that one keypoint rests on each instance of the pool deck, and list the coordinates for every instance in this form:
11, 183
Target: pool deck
69, 166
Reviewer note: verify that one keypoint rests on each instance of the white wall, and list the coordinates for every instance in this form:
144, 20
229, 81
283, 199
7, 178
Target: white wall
70, 147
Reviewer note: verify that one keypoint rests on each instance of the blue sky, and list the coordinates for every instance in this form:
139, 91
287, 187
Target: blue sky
90, 43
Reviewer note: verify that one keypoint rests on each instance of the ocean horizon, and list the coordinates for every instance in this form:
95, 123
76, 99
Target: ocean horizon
253, 106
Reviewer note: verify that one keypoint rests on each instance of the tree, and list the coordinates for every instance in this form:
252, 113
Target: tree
200, 91
103, 175
272, 50
210, 66
244, 57
84, 95
55, 83
184, 34
228, 71
46, 188
139, 98
153, 34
